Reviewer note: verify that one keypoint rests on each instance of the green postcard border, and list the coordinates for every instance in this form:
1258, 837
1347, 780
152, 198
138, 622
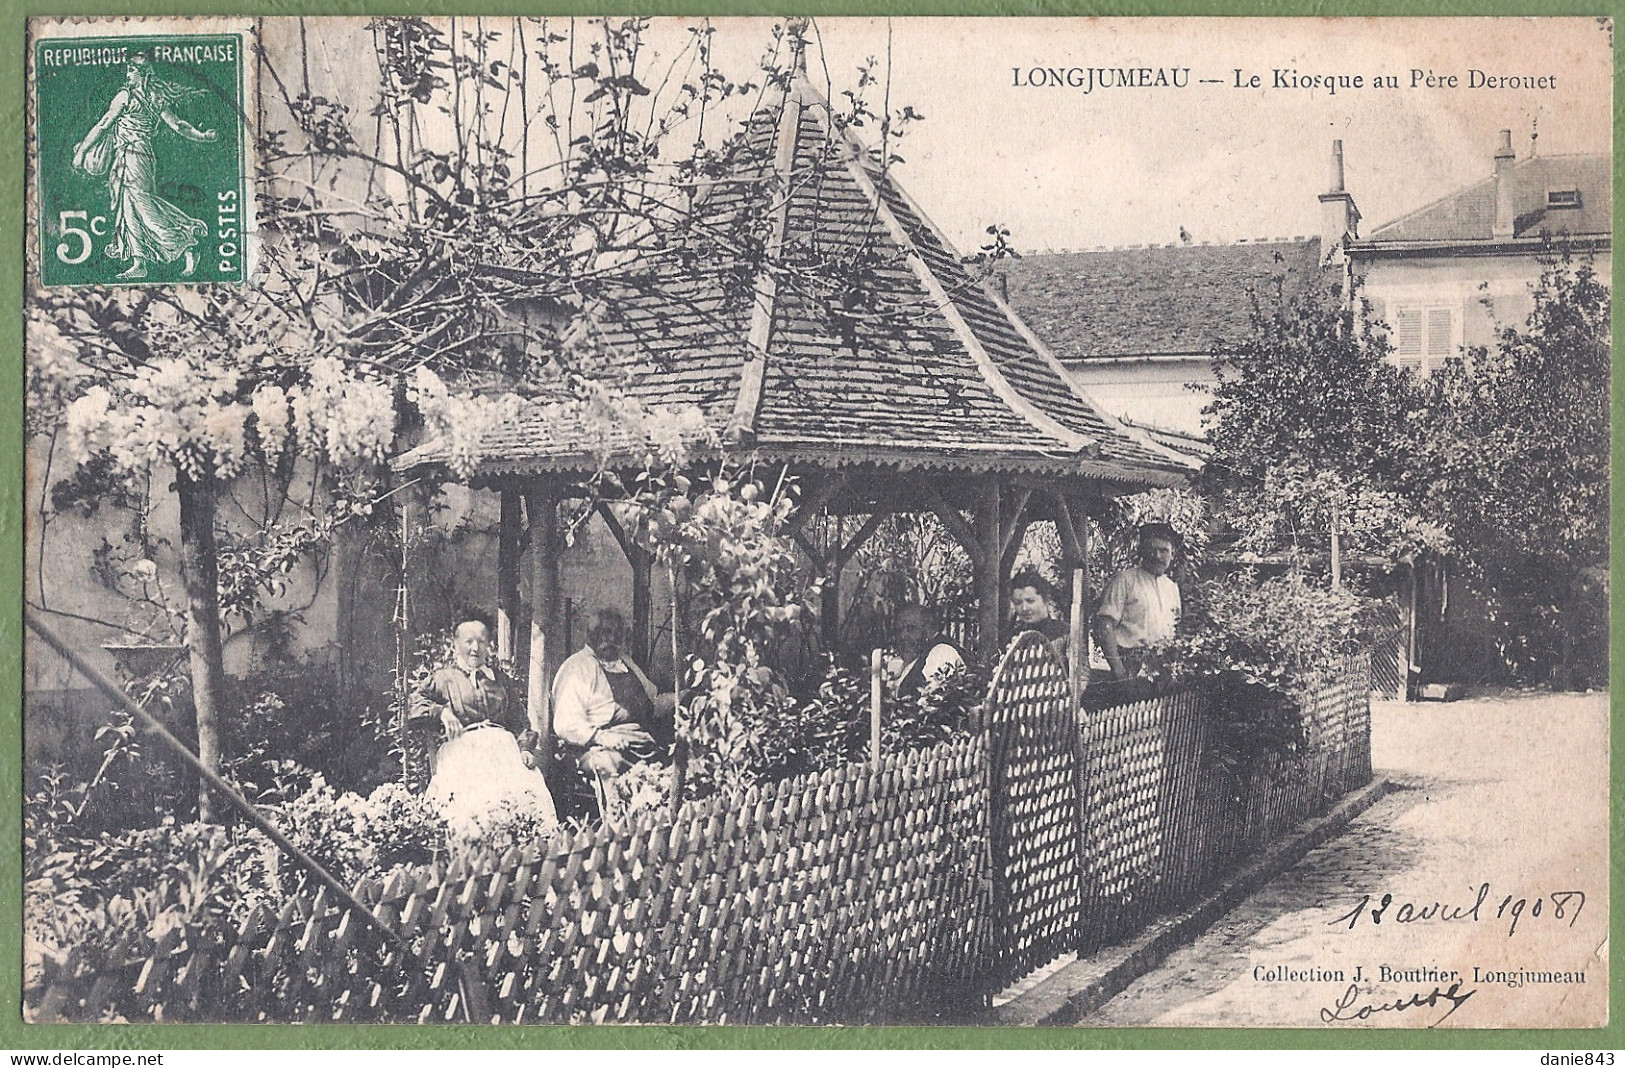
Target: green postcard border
15, 1035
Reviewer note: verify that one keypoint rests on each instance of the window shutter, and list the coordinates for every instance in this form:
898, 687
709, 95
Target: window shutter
1441, 332
1408, 333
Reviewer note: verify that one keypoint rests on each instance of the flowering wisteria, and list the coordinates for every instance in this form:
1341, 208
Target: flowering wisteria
170, 411
347, 419
460, 421
191, 414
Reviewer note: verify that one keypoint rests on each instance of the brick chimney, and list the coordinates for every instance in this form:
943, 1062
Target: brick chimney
1339, 218
1506, 212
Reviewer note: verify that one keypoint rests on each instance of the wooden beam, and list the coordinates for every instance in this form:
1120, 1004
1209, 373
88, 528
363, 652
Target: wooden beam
1070, 545
616, 531
1017, 523
865, 532
1012, 545
811, 550
508, 573
831, 567
814, 502
641, 562
958, 529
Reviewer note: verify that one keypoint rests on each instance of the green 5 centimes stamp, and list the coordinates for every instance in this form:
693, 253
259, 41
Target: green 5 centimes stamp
140, 151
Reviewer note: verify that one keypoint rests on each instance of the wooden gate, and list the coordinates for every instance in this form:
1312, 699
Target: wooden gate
1033, 774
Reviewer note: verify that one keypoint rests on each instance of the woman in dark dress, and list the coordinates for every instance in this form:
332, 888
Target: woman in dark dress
1033, 601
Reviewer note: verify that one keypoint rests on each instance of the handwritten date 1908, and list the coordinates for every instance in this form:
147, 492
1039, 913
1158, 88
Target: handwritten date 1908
1561, 905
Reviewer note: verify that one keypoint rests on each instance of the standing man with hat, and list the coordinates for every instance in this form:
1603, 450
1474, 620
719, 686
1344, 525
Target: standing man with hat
1140, 607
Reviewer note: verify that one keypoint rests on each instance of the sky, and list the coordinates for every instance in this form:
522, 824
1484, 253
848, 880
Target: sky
1065, 166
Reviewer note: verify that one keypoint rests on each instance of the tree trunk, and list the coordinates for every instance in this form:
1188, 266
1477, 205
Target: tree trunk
345, 574
200, 574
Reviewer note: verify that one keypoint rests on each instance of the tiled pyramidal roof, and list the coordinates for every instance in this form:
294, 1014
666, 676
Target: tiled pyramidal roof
866, 340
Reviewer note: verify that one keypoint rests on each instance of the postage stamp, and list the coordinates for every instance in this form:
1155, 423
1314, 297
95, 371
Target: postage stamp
819, 521
139, 154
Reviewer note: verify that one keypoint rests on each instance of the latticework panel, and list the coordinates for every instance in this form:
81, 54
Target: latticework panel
1032, 740
894, 892
1387, 661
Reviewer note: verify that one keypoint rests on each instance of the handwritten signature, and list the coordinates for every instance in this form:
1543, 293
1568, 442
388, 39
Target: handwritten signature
1557, 905
1347, 1009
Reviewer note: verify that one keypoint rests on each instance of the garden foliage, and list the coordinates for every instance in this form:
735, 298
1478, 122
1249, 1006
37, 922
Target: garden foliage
1260, 648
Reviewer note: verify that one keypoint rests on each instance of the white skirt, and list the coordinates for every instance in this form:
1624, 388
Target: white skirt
480, 774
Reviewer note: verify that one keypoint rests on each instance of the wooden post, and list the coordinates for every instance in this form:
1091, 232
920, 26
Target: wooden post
1077, 651
829, 607
989, 582
508, 574
1081, 537
876, 667
403, 634
641, 561
1411, 673
1337, 552
1077, 642
546, 652
642, 580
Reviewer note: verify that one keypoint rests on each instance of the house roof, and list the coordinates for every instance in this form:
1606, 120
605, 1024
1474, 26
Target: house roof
1173, 300
1469, 214
902, 357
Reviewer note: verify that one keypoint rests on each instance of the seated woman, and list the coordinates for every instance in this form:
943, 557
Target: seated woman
606, 709
485, 767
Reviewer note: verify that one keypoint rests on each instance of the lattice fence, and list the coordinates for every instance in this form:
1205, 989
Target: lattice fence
1163, 819
906, 891
853, 895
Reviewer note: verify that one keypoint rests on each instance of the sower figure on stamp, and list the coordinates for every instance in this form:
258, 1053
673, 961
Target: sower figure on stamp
486, 762
607, 712
1138, 613
147, 228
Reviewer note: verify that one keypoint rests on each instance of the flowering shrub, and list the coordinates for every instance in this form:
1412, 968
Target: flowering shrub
352, 836
1261, 647
780, 736
727, 548
645, 790
194, 414
458, 421
338, 415
511, 825
172, 410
